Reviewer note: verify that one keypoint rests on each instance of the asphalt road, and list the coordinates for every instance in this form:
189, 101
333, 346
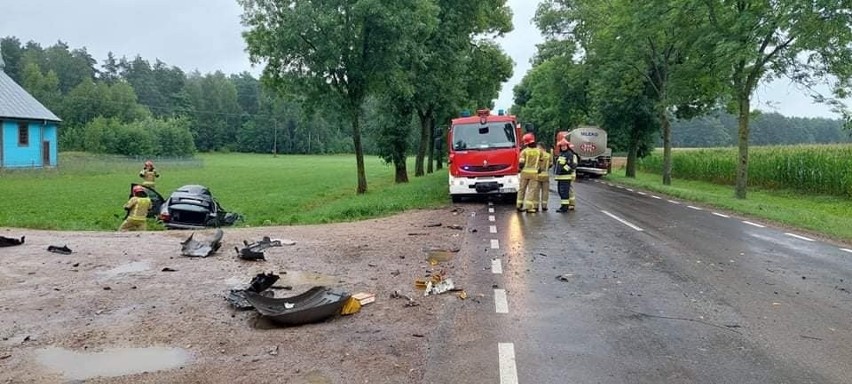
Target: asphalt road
653, 291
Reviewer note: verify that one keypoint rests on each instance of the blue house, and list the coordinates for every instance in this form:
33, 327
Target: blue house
28, 131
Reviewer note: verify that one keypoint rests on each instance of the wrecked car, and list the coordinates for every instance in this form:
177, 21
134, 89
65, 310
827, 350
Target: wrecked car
194, 207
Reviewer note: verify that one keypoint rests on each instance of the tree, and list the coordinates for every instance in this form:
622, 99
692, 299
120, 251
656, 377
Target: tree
805, 40
44, 87
335, 51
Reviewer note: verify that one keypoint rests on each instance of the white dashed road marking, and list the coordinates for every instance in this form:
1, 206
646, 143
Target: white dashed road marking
629, 190
754, 224
492, 228
656, 197
622, 221
491, 218
490, 210
799, 236
496, 266
495, 244
508, 371
846, 250
721, 215
501, 304
642, 193
673, 202
694, 207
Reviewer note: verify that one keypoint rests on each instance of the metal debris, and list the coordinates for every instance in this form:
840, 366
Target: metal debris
195, 248
8, 241
260, 284
254, 251
64, 250
439, 287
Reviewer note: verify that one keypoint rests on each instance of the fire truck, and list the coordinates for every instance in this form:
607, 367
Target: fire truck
483, 155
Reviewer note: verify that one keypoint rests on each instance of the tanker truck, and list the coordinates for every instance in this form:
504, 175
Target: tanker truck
590, 146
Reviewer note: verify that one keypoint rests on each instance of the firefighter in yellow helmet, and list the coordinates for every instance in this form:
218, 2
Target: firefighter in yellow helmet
149, 174
545, 164
137, 210
566, 163
529, 163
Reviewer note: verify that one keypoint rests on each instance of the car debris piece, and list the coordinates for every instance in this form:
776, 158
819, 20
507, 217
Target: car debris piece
439, 287
64, 250
167, 269
259, 284
8, 241
194, 248
254, 251
194, 207
364, 298
409, 302
316, 304
565, 277
351, 306
457, 227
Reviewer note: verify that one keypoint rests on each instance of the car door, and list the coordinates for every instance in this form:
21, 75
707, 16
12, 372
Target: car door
156, 199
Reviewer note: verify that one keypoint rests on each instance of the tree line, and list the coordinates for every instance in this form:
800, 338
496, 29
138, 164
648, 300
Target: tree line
658, 71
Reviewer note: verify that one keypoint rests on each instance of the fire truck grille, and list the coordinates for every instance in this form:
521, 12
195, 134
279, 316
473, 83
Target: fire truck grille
485, 168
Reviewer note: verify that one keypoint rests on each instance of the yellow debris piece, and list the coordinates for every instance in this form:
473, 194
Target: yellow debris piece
350, 306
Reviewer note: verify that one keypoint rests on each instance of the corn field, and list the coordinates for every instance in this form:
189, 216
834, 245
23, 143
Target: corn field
820, 169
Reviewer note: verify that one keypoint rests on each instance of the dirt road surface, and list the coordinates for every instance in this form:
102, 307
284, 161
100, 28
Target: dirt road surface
108, 313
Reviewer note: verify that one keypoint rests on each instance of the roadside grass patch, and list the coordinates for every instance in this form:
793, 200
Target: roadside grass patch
87, 192
824, 214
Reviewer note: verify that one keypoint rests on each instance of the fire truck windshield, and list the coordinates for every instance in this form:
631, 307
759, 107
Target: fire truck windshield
468, 137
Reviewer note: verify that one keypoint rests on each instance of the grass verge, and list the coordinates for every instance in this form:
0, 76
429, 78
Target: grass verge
86, 193
825, 215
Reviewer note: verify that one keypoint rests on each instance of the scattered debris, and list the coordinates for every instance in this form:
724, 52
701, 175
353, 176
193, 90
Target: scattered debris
167, 269
438, 288
418, 335
316, 304
364, 298
473, 230
810, 337
260, 284
254, 251
75, 265
273, 351
565, 277
417, 234
409, 302
64, 250
351, 306
457, 227
107, 288
432, 225
195, 248
6, 356
462, 295
8, 242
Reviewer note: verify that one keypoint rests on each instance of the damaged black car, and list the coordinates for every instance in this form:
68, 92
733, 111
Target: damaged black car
194, 207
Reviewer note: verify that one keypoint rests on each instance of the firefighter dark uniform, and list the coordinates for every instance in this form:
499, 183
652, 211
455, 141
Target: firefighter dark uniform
564, 175
529, 162
137, 211
545, 164
149, 174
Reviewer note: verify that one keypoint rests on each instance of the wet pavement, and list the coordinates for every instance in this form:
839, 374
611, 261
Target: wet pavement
635, 288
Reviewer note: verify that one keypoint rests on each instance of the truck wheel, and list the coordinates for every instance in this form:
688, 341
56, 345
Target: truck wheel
456, 198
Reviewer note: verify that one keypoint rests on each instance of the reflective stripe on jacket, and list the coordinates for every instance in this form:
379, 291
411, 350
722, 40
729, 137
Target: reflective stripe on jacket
529, 160
545, 164
563, 166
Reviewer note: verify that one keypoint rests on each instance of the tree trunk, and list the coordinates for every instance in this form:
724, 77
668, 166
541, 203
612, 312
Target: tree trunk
424, 142
359, 151
401, 175
743, 104
431, 143
439, 149
667, 147
632, 157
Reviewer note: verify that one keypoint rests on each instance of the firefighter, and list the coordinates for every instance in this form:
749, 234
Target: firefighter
545, 164
149, 174
529, 163
564, 175
137, 210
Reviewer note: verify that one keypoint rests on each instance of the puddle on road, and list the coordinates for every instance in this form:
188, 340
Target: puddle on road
294, 278
113, 362
136, 266
437, 256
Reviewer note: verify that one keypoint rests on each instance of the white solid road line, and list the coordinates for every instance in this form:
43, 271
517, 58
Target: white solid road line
491, 218
501, 304
721, 215
490, 210
799, 236
846, 250
508, 370
754, 224
496, 266
492, 228
673, 202
694, 207
622, 221
656, 197
495, 244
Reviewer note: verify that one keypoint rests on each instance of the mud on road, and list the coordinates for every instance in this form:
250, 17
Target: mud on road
109, 308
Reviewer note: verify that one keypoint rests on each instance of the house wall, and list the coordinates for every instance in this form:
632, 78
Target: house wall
15, 156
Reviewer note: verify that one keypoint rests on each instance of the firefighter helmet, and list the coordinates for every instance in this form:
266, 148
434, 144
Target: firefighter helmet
139, 189
149, 164
565, 143
528, 139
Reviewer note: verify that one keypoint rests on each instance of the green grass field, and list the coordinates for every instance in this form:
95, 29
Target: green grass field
824, 214
87, 192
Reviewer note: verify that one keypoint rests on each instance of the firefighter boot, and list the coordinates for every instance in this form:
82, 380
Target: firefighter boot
562, 208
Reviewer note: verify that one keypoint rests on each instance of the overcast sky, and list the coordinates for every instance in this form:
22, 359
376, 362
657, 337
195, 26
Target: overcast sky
205, 35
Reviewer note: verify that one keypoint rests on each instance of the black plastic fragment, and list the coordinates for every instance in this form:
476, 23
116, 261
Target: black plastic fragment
8, 241
64, 250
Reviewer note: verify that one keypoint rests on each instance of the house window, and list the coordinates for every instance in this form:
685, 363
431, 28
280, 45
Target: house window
23, 134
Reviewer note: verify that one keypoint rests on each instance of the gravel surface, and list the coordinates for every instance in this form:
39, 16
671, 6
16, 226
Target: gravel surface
108, 313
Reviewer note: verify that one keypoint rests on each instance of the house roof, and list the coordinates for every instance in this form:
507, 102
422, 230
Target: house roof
17, 103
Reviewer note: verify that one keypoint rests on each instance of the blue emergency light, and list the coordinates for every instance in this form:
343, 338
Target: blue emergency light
501, 112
